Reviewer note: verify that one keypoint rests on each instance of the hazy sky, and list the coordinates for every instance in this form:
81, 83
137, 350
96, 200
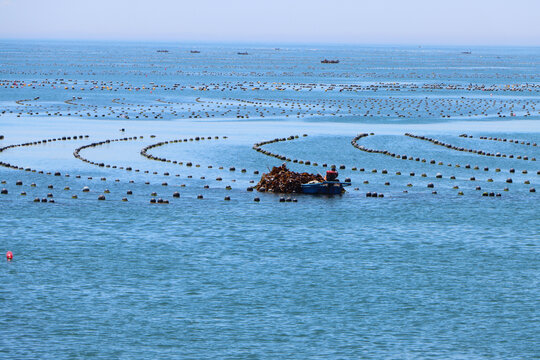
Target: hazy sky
444, 22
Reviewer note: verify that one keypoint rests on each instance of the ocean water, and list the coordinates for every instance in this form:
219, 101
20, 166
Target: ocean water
414, 274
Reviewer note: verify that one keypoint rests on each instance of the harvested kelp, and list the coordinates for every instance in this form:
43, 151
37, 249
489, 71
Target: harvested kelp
283, 180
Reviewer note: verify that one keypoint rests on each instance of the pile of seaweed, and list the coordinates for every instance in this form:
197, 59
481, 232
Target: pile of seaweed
283, 180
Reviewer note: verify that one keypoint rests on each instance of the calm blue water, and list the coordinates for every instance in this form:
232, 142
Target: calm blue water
411, 275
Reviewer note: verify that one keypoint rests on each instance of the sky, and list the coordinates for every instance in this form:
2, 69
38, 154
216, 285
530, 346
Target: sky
407, 22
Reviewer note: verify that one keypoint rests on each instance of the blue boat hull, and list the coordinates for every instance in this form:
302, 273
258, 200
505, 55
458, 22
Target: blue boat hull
327, 187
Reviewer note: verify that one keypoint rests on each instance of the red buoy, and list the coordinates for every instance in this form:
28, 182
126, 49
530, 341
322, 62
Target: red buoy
9, 255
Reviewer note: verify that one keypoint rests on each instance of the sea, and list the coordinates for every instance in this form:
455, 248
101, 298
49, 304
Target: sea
129, 201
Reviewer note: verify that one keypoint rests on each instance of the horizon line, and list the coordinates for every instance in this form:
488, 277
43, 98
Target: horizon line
263, 42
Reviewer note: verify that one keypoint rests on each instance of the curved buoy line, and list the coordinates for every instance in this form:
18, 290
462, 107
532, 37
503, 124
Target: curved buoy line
492, 138
23, 101
355, 143
33, 143
145, 152
74, 98
467, 150
258, 147
77, 152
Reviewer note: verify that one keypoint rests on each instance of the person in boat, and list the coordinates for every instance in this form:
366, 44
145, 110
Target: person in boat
331, 175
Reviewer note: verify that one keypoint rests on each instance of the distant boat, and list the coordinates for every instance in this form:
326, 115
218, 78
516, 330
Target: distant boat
243, 53
195, 52
163, 51
326, 61
466, 52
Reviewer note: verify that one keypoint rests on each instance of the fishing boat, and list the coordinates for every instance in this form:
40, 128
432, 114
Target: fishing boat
326, 61
195, 51
324, 187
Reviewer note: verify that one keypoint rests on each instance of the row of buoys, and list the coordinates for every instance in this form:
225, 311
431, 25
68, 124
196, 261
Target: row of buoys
44, 200
44, 141
251, 85
49, 197
367, 107
354, 143
395, 107
263, 85
463, 149
492, 138
144, 152
431, 185
251, 188
77, 155
258, 147
287, 199
107, 110
23, 102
